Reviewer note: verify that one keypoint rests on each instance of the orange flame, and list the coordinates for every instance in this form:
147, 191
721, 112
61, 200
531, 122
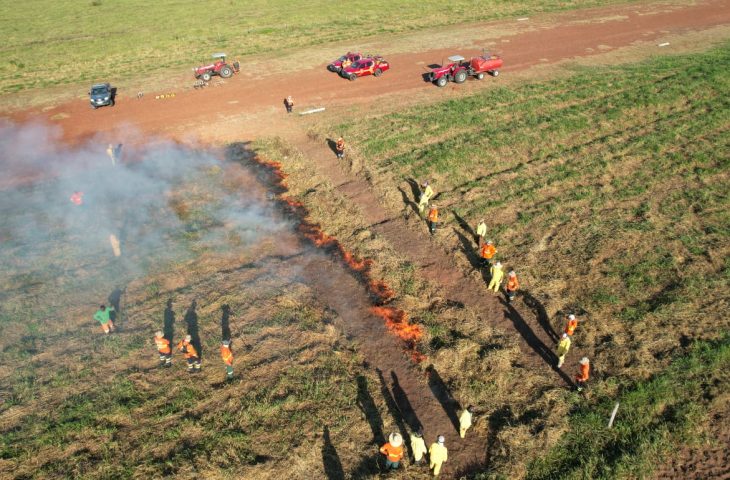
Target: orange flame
396, 320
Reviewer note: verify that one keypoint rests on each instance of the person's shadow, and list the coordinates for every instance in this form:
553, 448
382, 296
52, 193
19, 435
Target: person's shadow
393, 409
404, 405
168, 328
415, 189
330, 459
332, 145
367, 405
115, 300
408, 202
472, 256
542, 316
225, 322
466, 227
191, 319
441, 393
534, 342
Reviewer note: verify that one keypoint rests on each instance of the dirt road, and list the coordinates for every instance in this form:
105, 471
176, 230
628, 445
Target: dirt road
203, 115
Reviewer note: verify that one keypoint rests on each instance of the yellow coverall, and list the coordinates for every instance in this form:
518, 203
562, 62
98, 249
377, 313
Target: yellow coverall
563, 347
419, 448
464, 422
482, 230
425, 197
497, 276
438, 455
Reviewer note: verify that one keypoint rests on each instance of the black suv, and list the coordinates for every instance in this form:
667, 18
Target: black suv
101, 94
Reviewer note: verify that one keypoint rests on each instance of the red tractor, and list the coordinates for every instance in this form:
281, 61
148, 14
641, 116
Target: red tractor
219, 67
374, 66
344, 61
458, 69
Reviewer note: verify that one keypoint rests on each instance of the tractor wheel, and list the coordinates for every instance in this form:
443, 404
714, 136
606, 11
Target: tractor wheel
352, 77
441, 82
206, 77
226, 72
480, 75
460, 76
494, 73
378, 72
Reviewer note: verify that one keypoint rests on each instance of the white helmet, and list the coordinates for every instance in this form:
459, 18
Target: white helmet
158, 334
512, 273
584, 361
498, 264
226, 343
571, 317
441, 439
395, 439
188, 338
565, 335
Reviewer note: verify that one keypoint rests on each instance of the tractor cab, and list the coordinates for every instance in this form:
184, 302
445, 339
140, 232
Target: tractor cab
456, 60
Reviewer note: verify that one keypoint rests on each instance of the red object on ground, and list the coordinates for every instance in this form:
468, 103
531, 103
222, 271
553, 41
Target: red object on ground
77, 198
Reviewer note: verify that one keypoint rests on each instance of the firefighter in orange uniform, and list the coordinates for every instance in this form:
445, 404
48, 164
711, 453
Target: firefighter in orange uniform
163, 347
487, 253
227, 357
340, 148
433, 218
191, 355
393, 451
585, 372
572, 325
512, 285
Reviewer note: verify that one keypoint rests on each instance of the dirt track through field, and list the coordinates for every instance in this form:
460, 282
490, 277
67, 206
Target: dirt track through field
210, 114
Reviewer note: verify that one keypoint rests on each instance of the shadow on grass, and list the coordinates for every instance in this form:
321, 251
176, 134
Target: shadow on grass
330, 459
191, 319
370, 410
545, 352
225, 322
441, 393
540, 313
169, 322
393, 409
466, 227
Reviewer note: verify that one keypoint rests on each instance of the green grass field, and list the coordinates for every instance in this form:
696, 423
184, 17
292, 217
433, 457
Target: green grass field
48, 42
606, 190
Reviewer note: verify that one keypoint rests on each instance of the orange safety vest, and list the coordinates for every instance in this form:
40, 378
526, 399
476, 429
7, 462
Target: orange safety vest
163, 345
487, 251
433, 215
570, 328
77, 198
394, 454
187, 348
584, 373
340, 145
227, 355
512, 284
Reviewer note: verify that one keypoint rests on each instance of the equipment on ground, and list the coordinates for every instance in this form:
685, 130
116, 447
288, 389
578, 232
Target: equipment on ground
218, 67
101, 94
458, 69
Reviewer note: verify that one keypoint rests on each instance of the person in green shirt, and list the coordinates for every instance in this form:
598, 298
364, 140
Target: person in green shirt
102, 316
